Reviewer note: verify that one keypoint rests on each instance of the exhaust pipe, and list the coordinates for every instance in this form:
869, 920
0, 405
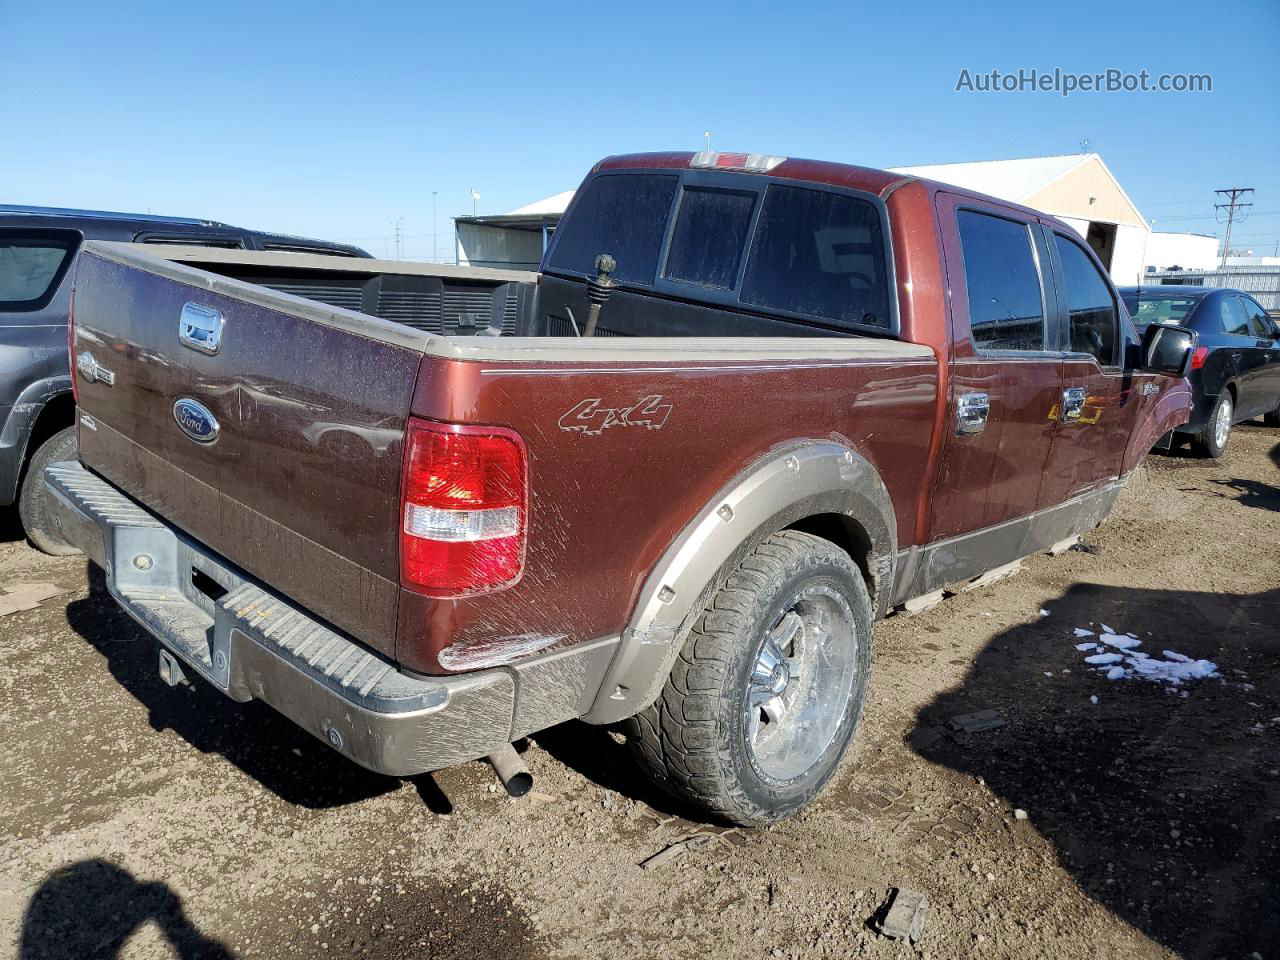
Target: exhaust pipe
515, 776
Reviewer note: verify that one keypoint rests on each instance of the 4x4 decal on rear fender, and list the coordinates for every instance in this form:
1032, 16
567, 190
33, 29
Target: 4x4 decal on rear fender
592, 419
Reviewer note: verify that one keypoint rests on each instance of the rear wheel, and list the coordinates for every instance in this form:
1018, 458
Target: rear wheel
1272, 419
765, 695
1212, 439
33, 499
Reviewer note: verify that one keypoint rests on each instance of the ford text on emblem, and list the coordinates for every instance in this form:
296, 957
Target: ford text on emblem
195, 420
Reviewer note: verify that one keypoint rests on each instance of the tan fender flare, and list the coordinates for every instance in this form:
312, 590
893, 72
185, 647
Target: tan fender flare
790, 483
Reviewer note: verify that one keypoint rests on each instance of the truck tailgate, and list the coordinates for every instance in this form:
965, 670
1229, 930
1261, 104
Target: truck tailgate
280, 449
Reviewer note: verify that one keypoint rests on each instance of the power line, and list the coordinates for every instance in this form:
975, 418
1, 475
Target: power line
1234, 211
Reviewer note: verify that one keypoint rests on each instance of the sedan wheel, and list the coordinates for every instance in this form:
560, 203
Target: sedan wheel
1212, 439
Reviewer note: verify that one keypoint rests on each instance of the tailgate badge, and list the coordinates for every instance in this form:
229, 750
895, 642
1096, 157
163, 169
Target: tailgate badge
200, 328
89, 368
195, 420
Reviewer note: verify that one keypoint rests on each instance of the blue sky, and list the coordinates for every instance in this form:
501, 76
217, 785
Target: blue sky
336, 119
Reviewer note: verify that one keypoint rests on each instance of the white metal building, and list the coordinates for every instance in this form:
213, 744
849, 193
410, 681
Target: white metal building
513, 240
1181, 251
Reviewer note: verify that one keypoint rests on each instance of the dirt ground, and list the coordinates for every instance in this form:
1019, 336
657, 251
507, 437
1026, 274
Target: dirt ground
144, 821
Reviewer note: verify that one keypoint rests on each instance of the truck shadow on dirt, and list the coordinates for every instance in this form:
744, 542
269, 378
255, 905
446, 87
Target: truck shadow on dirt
91, 908
594, 753
260, 742
1161, 802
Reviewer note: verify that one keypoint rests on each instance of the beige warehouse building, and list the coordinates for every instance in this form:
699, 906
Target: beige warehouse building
1076, 188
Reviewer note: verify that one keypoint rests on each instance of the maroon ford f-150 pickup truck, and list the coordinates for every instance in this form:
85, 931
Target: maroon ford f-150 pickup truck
445, 518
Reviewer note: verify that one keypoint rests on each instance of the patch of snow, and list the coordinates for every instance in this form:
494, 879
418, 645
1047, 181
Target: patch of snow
1101, 658
1126, 662
1121, 642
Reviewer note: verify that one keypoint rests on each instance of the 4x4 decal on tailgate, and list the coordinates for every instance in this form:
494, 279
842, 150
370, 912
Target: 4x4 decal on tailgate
592, 419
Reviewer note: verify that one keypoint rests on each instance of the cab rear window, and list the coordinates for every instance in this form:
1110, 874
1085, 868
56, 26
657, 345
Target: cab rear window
820, 254
30, 269
810, 253
623, 216
711, 230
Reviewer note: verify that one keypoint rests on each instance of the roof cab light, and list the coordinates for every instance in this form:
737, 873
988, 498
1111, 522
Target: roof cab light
465, 509
1198, 358
747, 162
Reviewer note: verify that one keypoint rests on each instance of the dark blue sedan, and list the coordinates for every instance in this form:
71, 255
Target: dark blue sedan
1235, 371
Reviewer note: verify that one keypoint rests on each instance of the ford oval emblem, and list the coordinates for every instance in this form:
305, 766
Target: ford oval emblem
195, 420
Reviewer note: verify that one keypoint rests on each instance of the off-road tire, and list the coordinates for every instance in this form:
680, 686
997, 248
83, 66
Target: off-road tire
692, 740
1272, 419
33, 498
1206, 442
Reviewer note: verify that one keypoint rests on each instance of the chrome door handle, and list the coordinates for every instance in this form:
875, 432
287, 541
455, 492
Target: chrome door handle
200, 328
1072, 404
971, 413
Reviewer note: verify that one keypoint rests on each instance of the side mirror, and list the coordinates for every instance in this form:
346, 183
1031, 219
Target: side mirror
1166, 349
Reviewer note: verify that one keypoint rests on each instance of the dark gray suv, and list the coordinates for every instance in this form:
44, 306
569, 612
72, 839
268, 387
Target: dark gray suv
38, 246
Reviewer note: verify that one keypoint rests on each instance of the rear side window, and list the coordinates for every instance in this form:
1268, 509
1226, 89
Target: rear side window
820, 254
1006, 305
1234, 319
1091, 309
1259, 322
624, 216
30, 269
711, 231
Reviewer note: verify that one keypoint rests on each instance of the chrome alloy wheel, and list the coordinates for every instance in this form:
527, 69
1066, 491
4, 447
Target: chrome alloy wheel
1222, 422
800, 684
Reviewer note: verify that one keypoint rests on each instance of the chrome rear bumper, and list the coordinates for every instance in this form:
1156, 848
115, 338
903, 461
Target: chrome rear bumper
254, 645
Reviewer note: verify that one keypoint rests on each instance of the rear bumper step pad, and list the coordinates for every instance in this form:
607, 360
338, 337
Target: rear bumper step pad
254, 645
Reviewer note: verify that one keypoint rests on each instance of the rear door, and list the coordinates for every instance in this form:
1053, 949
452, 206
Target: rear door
1100, 401
1267, 346
1005, 373
1248, 356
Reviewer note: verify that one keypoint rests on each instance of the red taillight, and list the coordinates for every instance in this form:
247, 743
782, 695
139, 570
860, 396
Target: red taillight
1199, 357
71, 346
465, 509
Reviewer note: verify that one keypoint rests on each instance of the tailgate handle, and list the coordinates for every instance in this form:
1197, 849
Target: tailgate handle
200, 328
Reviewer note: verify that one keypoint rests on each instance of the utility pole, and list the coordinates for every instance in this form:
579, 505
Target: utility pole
475, 201
399, 225
435, 247
1234, 211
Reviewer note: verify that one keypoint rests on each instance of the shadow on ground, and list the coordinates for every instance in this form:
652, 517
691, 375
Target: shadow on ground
283, 758
1165, 808
594, 753
91, 908
11, 525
